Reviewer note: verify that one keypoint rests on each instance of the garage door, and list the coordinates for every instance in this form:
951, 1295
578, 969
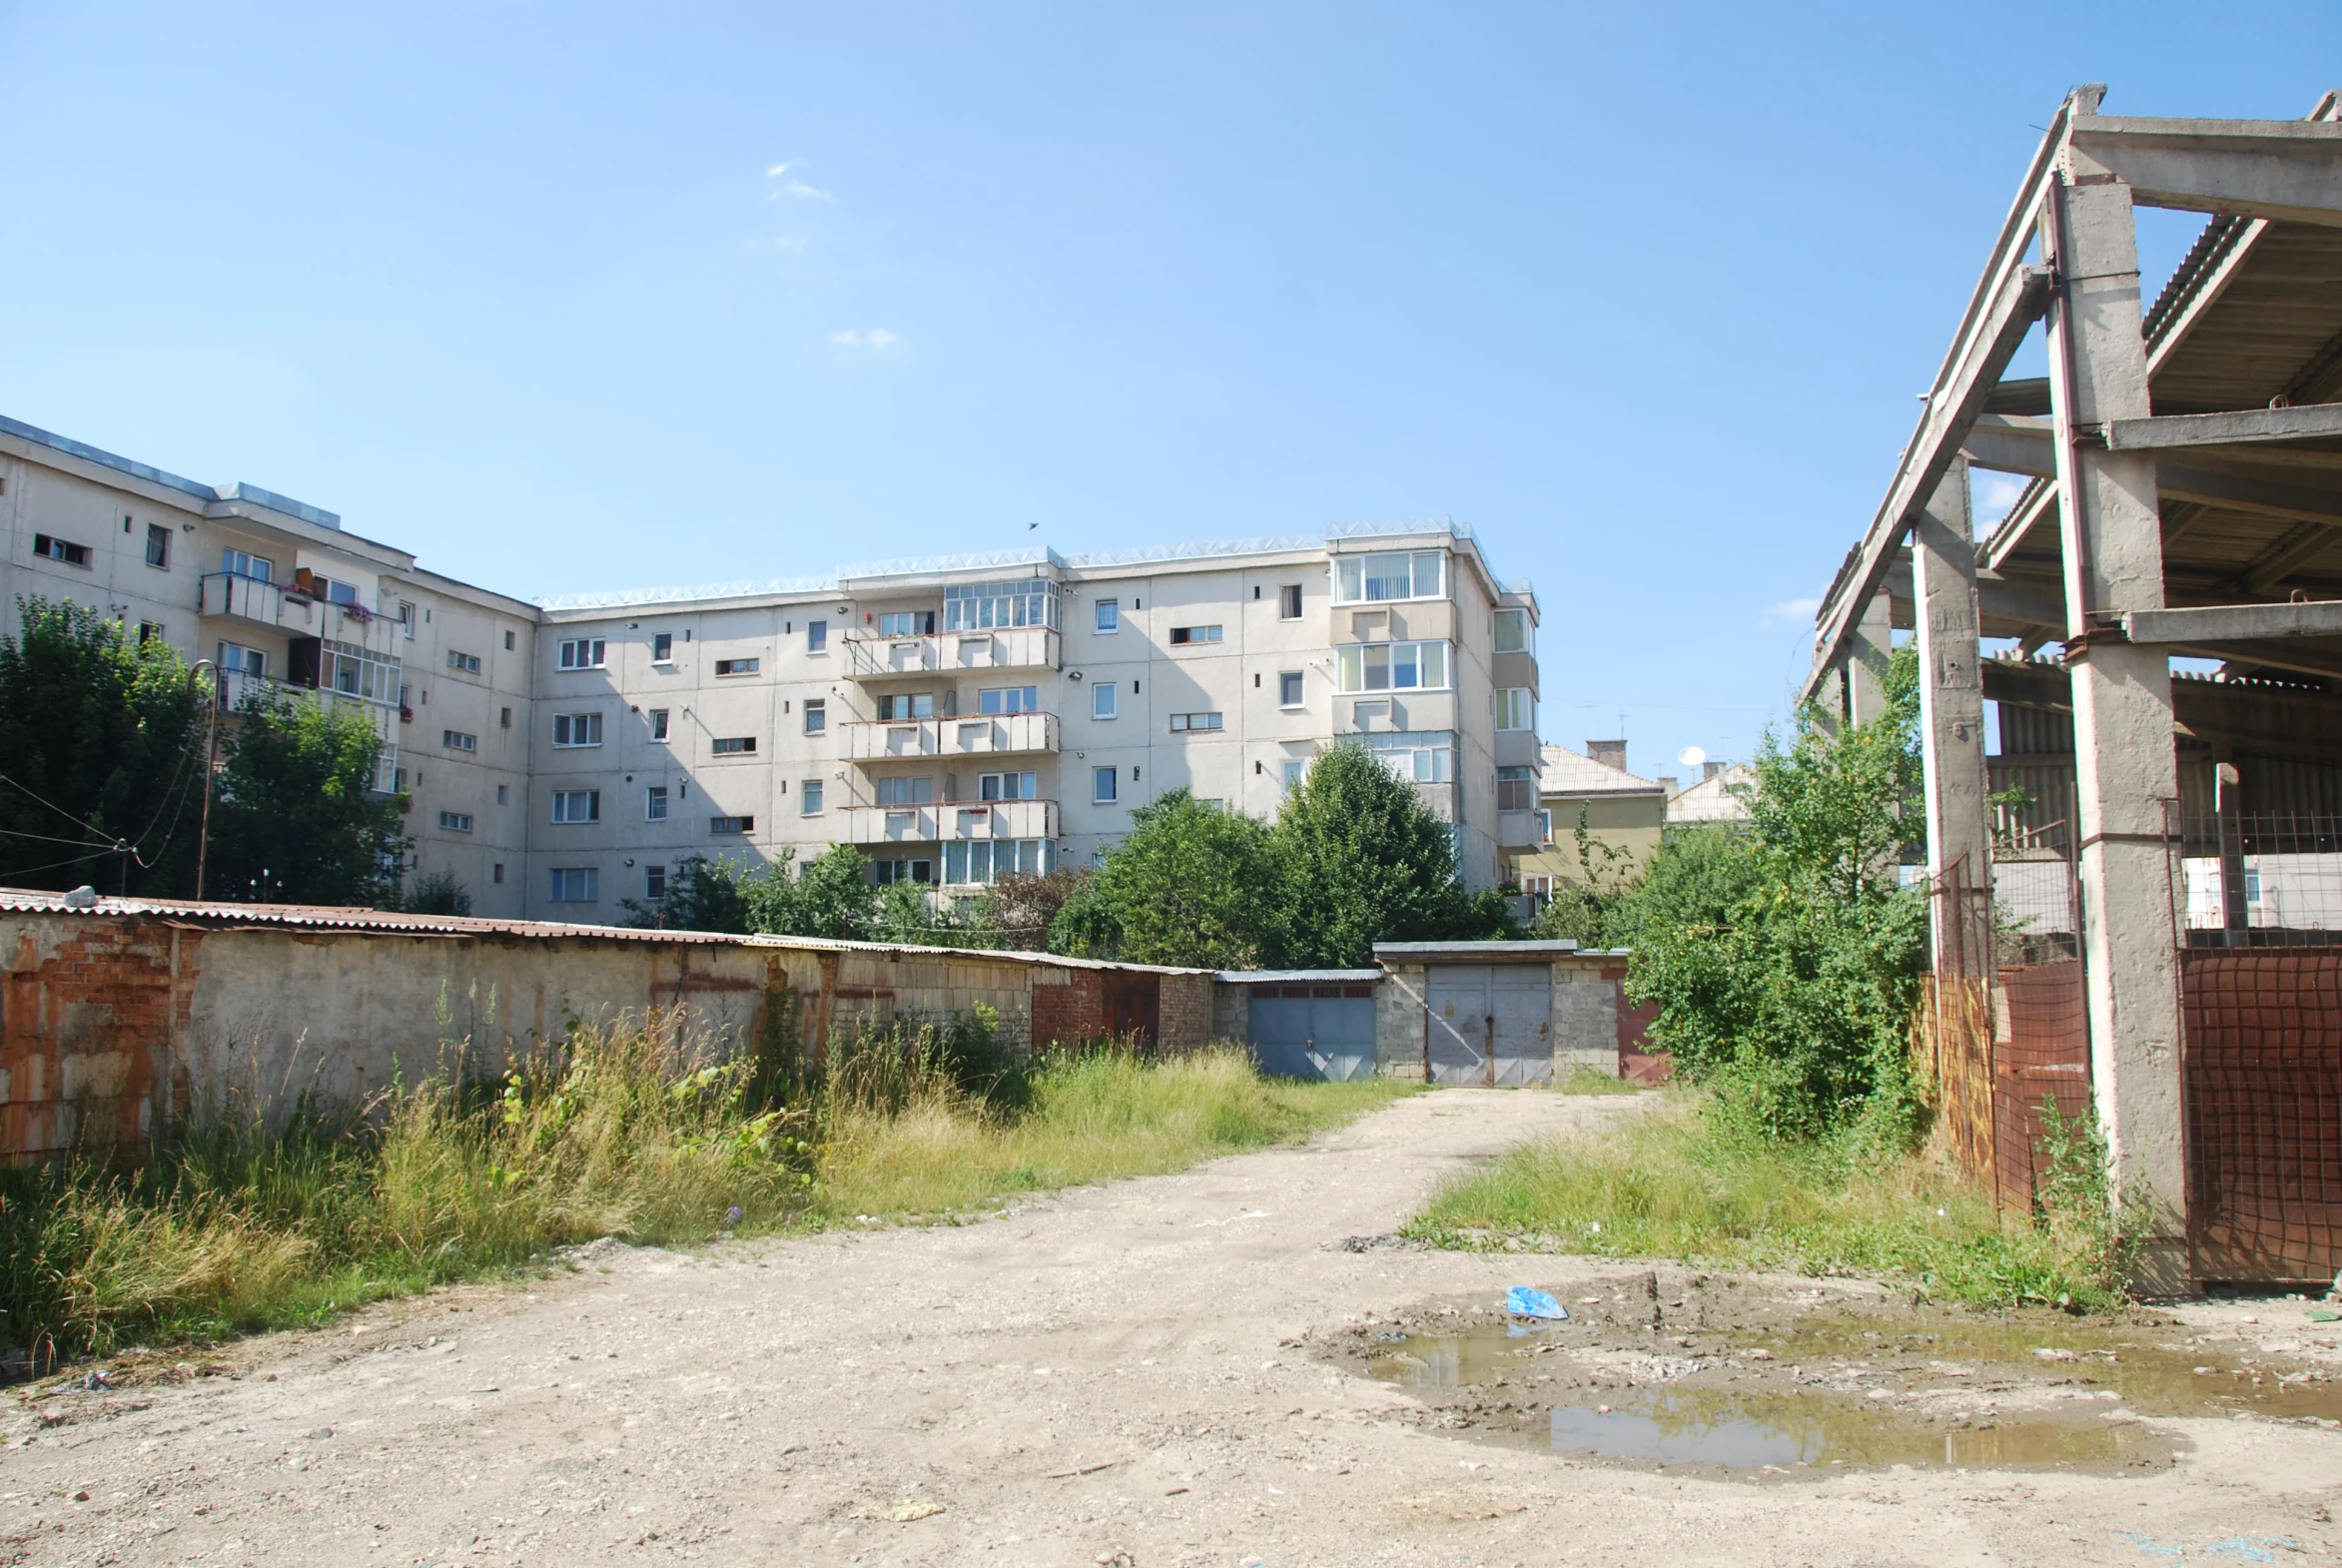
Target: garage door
1490, 1024
1316, 1031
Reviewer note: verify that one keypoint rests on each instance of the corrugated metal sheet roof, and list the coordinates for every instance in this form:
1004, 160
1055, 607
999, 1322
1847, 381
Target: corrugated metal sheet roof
1250, 977
1556, 948
383, 922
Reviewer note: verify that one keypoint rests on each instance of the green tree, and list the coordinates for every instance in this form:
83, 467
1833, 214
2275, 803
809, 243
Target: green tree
1582, 910
702, 895
436, 893
102, 740
297, 818
1783, 955
829, 896
1191, 884
1360, 859
1017, 912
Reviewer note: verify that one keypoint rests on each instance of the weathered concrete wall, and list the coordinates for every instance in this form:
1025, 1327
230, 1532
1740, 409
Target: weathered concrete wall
1587, 1029
1401, 1020
1231, 1011
113, 1023
1585, 1018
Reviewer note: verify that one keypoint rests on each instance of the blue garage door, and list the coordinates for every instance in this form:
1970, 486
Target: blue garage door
1320, 1030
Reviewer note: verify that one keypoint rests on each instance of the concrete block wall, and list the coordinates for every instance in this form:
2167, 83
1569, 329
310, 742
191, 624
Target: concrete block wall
1585, 1017
1231, 1011
1401, 1021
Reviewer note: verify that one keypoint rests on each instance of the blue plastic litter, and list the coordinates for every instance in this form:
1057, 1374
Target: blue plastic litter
1527, 1301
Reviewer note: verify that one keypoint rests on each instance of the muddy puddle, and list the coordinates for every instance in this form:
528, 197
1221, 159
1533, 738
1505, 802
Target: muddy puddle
1717, 1374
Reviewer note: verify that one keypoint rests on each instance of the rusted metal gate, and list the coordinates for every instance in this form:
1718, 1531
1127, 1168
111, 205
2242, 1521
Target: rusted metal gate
2263, 1084
1131, 1004
2040, 1055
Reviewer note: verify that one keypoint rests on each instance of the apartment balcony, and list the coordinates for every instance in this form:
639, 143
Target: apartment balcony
975, 819
979, 735
236, 685
1520, 829
250, 602
1518, 748
1001, 648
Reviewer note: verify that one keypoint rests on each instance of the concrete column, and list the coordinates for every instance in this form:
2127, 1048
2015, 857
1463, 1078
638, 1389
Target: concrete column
1952, 730
2125, 766
1868, 645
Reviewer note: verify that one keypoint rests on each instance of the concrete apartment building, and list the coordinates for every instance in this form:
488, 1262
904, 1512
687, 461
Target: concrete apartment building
957, 719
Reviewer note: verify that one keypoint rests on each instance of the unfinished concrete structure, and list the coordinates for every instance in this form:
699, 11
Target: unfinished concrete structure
2184, 461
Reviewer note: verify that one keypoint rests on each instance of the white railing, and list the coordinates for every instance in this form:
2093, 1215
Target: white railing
977, 735
871, 658
252, 601
1001, 648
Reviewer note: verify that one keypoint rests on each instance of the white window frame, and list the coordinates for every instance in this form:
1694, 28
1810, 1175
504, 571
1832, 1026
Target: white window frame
1197, 723
809, 797
1104, 699
1104, 786
1290, 601
733, 746
565, 805
584, 653
726, 825
734, 668
1198, 636
458, 740
989, 789
1520, 774
466, 663
1517, 618
1299, 687
1354, 585
996, 701
662, 651
575, 885
909, 789
654, 883
576, 724
817, 715
455, 822
1352, 661
655, 803
817, 638
1516, 708
1107, 617
658, 726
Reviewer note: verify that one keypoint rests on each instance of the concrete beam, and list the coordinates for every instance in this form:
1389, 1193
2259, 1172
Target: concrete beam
2017, 445
2184, 479
2302, 547
2282, 169
1951, 735
2008, 299
2235, 622
1867, 647
2126, 767
2246, 427
2013, 444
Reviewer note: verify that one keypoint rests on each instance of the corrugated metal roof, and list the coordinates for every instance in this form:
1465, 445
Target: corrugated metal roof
383, 922
1555, 948
1249, 977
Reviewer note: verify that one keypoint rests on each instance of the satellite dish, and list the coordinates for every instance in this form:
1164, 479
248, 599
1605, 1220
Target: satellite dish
1691, 757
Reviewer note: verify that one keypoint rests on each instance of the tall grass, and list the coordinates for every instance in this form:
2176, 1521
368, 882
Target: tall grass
1680, 1182
644, 1128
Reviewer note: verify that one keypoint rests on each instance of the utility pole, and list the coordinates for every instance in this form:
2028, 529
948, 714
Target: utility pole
203, 835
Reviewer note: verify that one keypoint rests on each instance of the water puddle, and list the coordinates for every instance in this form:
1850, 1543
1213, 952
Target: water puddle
1628, 1381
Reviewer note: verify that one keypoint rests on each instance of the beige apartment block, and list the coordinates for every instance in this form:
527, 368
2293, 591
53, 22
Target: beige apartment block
955, 719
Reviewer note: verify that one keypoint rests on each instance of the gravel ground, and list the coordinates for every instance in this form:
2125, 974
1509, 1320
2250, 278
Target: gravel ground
1117, 1376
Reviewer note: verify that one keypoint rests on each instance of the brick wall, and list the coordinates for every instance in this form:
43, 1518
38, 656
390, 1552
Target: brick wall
1183, 1013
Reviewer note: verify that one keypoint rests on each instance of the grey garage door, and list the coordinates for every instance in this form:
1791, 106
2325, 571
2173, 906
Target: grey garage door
1320, 1029
1492, 1024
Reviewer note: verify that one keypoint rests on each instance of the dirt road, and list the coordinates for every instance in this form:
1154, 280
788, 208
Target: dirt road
1114, 1376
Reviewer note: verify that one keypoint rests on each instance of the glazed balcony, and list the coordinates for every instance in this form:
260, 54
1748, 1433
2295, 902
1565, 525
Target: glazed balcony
977, 735
968, 819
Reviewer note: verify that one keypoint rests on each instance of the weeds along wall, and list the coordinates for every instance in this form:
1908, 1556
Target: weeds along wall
116, 1020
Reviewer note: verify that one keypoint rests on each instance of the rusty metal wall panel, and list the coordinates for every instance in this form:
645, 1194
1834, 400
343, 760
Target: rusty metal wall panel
2263, 1081
2042, 1056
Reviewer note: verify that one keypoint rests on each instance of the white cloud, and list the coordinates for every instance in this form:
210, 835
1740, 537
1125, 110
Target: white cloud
1793, 609
777, 170
1999, 492
878, 338
801, 189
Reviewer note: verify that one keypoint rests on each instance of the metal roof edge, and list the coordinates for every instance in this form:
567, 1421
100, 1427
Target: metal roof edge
1553, 946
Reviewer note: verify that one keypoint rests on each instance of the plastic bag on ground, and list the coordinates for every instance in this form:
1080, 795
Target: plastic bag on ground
1528, 1302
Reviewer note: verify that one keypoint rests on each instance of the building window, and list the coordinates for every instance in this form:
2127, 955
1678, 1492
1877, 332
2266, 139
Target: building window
907, 623
1416, 756
983, 606
1393, 667
577, 805
899, 707
1516, 708
503, 718
1101, 699
1108, 616
577, 729
654, 883
989, 860
508, 642
1190, 634
50, 549
662, 651
1368, 579
1544, 826
737, 666
342, 593
1289, 689
1296, 769
809, 798
406, 617
236, 564
1009, 699
817, 715
240, 660
906, 792
888, 872
456, 821
735, 746
1538, 885
468, 663
458, 740
1512, 632
1181, 723
158, 546
496, 873
655, 803
658, 726
575, 884
1516, 789
148, 631
1288, 602
720, 825
503, 794
1008, 786
817, 636
1102, 785
584, 653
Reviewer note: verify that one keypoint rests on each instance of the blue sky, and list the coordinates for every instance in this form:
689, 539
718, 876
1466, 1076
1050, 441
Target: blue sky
574, 297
